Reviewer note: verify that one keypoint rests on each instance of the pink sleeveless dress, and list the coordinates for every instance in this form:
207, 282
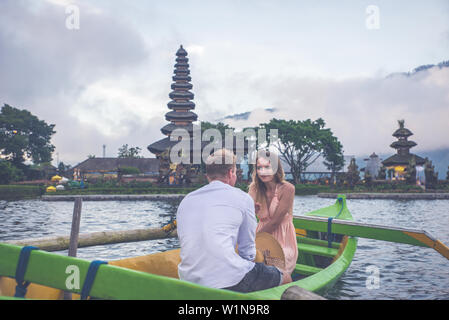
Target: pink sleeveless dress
285, 233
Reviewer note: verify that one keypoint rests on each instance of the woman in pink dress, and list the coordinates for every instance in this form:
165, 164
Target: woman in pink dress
273, 198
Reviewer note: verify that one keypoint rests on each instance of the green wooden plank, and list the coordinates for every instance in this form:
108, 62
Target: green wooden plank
306, 270
111, 282
317, 250
317, 242
357, 229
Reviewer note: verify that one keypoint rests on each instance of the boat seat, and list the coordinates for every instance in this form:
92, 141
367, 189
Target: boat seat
317, 250
306, 270
160, 263
318, 242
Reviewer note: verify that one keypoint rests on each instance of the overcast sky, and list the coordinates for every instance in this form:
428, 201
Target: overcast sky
108, 81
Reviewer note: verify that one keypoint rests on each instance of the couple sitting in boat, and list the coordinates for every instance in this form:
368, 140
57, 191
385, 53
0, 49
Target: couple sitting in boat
217, 227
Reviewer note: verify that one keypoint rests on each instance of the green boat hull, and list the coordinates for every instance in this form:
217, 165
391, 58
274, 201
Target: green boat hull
113, 282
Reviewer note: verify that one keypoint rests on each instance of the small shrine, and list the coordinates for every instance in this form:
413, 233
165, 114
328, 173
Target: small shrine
398, 163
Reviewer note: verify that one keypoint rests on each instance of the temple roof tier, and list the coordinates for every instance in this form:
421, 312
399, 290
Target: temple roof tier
398, 159
169, 128
181, 116
402, 132
182, 59
181, 86
181, 52
181, 105
403, 144
182, 72
181, 95
181, 78
181, 65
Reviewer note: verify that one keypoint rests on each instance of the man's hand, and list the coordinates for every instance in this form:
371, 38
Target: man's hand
257, 207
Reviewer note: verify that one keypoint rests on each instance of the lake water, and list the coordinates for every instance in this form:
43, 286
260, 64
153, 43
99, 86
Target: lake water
405, 272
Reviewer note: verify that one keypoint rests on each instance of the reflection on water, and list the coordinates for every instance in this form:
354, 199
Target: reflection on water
406, 272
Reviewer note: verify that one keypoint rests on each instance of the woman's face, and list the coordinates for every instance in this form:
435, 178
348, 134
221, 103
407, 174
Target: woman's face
264, 170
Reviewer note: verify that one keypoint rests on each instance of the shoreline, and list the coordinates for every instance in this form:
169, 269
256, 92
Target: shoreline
390, 196
113, 197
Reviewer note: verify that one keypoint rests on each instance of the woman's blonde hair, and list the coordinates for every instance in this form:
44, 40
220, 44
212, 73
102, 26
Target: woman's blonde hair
279, 176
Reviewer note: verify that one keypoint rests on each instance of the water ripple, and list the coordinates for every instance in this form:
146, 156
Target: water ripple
405, 272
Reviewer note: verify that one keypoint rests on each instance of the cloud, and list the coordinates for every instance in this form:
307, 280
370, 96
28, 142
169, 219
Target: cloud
108, 82
64, 76
362, 112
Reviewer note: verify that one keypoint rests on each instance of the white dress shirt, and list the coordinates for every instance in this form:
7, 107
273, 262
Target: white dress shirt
210, 222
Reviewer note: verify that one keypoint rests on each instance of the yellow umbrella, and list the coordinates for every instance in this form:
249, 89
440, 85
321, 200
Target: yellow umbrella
51, 189
56, 178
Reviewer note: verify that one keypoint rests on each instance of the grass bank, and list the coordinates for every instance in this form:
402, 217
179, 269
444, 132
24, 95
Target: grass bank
19, 192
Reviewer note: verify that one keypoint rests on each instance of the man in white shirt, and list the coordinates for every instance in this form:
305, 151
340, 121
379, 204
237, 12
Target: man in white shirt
211, 221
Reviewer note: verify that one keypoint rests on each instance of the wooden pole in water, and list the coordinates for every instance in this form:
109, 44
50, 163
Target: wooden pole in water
74, 235
96, 238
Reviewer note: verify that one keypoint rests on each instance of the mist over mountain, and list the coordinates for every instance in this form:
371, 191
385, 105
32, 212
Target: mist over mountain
441, 65
363, 112
244, 115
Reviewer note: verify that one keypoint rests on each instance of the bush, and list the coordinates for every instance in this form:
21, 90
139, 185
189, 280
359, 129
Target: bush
311, 189
128, 170
17, 192
9, 173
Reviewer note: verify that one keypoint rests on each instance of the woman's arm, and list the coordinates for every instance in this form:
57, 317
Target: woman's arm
286, 199
252, 193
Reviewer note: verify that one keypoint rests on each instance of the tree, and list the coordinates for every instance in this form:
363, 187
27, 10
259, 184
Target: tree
447, 174
353, 174
301, 143
125, 152
220, 126
23, 135
430, 174
333, 155
129, 170
63, 168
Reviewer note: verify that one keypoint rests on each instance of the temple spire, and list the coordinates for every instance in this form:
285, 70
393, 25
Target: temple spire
402, 146
181, 102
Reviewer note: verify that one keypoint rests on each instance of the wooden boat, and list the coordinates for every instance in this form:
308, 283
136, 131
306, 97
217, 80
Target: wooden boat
320, 264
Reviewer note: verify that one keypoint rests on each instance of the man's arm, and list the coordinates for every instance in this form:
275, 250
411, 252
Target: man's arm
247, 232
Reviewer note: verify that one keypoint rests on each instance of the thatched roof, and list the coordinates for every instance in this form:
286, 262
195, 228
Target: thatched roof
399, 159
145, 165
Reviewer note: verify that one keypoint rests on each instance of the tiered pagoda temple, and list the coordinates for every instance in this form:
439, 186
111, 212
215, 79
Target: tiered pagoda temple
180, 116
401, 159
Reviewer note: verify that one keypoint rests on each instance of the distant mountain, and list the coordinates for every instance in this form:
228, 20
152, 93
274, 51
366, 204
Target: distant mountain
441, 65
245, 115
